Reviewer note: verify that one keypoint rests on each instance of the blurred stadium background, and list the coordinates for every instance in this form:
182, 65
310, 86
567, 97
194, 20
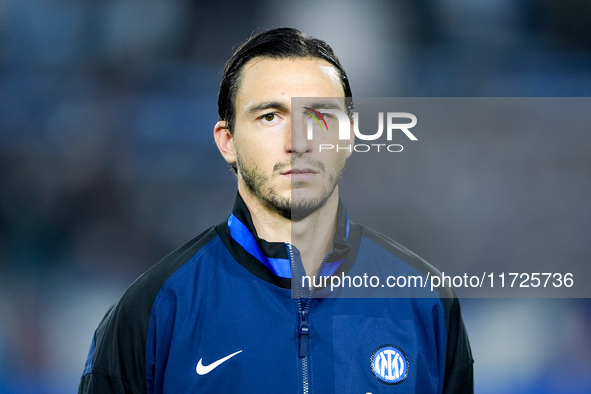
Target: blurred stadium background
107, 161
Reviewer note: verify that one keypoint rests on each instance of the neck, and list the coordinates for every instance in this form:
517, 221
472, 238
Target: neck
313, 235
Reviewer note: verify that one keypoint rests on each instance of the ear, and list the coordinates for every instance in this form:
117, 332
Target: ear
225, 141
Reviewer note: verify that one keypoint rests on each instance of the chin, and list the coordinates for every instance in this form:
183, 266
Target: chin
305, 197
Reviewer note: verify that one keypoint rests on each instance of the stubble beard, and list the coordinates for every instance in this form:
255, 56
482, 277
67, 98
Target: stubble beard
294, 209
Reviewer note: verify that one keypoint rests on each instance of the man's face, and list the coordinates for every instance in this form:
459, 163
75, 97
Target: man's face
276, 162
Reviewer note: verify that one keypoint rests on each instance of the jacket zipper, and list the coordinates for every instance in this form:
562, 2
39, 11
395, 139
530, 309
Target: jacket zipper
304, 335
303, 328
303, 306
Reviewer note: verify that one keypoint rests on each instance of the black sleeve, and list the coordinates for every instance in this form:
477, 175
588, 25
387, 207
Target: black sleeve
95, 383
459, 377
116, 361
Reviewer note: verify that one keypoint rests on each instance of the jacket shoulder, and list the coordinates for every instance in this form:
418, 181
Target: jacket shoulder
406, 255
458, 365
117, 358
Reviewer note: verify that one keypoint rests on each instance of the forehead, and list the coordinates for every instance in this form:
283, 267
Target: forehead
280, 79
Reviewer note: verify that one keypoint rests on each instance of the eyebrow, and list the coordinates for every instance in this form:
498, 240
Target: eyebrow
280, 106
325, 105
267, 105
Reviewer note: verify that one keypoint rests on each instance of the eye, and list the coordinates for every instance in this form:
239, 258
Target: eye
269, 117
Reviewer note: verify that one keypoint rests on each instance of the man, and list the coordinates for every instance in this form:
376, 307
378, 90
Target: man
218, 315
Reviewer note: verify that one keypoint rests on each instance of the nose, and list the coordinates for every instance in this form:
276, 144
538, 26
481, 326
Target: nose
297, 138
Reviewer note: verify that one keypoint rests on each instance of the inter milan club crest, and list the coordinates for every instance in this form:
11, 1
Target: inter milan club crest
389, 364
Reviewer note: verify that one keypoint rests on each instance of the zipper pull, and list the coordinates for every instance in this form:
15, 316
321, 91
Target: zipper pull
304, 332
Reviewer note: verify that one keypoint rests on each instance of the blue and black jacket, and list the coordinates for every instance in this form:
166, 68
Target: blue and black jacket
220, 315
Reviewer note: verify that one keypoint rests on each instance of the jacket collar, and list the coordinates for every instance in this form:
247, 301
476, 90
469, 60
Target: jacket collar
274, 256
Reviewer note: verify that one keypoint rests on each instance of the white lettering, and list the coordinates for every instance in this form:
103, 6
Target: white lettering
395, 151
358, 145
404, 126
364, 137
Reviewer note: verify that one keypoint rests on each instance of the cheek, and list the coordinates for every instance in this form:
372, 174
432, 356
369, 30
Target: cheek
254, 153
341, 158
333, 159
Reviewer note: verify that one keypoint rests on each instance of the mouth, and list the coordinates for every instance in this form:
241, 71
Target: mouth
300, 174
296, 171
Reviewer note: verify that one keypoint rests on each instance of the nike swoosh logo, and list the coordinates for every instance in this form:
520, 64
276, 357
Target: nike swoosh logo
205, 369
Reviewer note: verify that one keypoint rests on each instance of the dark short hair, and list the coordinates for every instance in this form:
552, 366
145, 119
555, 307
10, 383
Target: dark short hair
283, 42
